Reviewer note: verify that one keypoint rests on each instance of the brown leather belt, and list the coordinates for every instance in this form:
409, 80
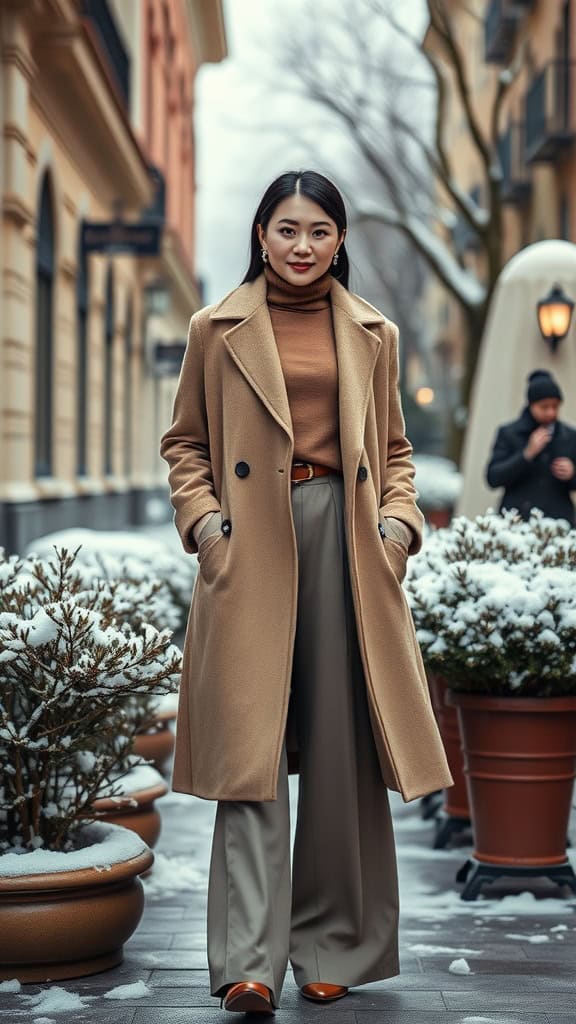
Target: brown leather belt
307, 471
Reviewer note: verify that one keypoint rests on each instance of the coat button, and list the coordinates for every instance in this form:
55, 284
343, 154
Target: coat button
226, 526
381, 530
242, 469
362, 473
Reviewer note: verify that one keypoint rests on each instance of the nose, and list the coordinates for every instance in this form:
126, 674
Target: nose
302, 244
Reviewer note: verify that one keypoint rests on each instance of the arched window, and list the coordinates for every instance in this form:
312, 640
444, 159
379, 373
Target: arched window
128, 349
44, 332
108, 371
82, 290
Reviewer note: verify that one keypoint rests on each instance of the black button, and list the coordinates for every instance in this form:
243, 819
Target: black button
362, 473
242, 469
226, 526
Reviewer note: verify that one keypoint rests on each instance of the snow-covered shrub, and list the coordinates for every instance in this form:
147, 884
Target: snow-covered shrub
134, 557
494, 604
437, 481
71, 665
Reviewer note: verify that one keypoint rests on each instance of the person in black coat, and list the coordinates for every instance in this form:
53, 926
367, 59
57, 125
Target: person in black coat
534, 458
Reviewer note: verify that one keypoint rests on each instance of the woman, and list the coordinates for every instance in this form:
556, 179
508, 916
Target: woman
291, 477
534, 458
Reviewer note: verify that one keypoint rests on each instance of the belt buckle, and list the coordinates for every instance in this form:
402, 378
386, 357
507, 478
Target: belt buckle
310, 472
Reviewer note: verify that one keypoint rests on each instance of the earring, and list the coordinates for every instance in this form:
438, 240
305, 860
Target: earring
264, 255
335, 260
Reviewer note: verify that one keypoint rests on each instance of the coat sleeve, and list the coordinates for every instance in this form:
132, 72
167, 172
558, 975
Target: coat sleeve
507, 465
399, 495
185, 446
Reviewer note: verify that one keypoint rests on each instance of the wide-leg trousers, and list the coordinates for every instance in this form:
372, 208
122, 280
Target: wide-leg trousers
336, 918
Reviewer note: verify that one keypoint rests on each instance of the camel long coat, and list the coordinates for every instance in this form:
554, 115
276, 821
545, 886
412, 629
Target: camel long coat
229, 449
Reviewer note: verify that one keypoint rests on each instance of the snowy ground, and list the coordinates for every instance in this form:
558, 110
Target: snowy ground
510, 960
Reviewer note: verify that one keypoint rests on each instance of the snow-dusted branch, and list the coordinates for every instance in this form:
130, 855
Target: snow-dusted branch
463, 285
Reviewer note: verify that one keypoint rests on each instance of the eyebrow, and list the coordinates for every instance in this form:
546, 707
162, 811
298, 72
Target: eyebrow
316, 224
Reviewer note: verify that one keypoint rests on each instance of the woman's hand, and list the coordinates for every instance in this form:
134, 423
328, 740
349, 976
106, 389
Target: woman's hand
563, 469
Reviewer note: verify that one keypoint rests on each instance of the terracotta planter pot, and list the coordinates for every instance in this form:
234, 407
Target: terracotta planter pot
456, 803
135, 811
69, 924
520, 759
157, 746
438, 517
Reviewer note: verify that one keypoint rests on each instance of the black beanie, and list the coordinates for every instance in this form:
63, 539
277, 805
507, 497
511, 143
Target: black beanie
541, 384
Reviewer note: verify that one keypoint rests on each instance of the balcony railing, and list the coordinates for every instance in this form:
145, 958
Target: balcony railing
550, 115
516, 177
500, 30
101, 21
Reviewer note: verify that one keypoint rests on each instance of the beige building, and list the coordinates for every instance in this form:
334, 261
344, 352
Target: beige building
535, 40
97, 278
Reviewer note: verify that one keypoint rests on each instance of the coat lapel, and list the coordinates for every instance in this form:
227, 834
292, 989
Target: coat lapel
252, 346
357, 351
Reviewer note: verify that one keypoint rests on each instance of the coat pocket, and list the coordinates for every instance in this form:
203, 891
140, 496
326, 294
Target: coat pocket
208, 555
397, 556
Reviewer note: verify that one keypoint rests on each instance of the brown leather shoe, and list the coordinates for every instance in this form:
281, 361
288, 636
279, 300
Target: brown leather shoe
322, 992
248, 997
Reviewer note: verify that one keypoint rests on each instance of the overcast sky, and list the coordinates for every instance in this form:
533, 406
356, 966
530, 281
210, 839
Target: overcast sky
237, 159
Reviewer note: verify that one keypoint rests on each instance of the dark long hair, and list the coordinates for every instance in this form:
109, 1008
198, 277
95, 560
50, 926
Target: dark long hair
315, 187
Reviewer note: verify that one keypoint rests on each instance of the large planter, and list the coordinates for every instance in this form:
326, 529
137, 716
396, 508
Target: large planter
70, 923
135, 808
520, 761
157, 743
456, 803
438, 517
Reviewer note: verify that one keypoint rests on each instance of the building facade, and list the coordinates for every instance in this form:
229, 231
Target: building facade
97, 279
533, 42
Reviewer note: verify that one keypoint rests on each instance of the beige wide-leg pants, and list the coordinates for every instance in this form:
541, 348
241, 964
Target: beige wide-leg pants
337, 918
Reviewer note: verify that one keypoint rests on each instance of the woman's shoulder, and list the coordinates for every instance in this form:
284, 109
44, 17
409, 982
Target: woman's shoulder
236, 305
359, 308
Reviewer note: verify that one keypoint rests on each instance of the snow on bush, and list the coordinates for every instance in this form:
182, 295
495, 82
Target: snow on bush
494, 604
73, 666
437, 481
134, 557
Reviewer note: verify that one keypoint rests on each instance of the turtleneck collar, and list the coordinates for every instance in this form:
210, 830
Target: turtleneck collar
303, 298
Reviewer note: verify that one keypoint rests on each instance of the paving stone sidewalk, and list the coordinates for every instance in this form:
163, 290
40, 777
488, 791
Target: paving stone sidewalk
521, 950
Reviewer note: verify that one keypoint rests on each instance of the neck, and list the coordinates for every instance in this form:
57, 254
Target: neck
304, 297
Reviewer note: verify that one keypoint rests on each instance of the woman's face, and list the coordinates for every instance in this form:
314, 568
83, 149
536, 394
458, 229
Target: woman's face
301, 240
545, 411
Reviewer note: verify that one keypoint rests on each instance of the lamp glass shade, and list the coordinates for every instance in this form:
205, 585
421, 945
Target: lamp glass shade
554, 314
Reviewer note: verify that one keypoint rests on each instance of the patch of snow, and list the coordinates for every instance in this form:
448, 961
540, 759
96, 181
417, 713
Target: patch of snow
173, 875
559, 928
137, 990
58, 1000
529, 938
10, 986
102, 844
459, 967
43, 1020
482, 1020
425, 904
423, 949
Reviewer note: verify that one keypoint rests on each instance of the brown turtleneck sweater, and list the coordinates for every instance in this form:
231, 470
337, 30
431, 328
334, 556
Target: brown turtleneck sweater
302, 323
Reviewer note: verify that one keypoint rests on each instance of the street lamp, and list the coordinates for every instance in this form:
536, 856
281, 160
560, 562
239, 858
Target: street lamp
554, 316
